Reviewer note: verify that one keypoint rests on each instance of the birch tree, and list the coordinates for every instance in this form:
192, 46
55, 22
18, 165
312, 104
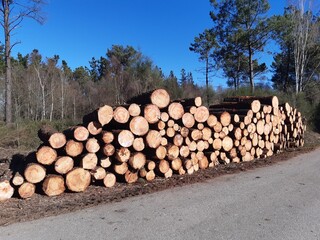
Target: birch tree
305, 35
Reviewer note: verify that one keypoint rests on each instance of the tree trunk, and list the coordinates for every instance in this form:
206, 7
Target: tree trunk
207, 80
8, 69
251, 67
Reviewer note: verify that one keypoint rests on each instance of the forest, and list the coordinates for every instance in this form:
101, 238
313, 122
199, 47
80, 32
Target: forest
37, 88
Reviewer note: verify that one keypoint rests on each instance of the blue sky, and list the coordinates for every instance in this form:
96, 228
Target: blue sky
78, 30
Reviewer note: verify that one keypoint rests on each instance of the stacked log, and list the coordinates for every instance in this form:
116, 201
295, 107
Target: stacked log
151, 136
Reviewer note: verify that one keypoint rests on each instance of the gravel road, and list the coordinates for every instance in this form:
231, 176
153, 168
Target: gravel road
281, 201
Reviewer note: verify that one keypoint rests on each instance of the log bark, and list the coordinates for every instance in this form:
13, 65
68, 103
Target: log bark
158, 97
102, 115
52, 137
78, 133
270, 100
254, 105
53, 185
94, 128
197, 101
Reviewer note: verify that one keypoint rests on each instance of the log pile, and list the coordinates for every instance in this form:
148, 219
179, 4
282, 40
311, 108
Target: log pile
154, 136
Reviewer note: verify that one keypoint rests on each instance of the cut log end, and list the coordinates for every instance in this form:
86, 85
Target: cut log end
6, 190
78, 179
53, 185
160, 98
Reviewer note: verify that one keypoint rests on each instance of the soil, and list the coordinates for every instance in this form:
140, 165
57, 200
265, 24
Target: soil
39, 206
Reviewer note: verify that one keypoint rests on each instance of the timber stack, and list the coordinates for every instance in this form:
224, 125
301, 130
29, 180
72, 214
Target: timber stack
153, 136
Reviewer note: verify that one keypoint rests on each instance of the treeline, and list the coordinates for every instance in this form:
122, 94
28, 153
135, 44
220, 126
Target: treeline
45, 88
243, 34
242, 31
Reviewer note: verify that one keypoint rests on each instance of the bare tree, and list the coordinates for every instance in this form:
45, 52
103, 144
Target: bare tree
303, 36
13, 12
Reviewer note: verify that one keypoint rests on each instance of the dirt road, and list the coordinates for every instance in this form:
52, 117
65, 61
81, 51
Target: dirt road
281, 201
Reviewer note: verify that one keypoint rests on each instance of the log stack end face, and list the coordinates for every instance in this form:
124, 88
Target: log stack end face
155, 136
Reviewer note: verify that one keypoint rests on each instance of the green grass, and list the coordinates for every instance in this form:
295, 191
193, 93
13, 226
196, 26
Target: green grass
23, 136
